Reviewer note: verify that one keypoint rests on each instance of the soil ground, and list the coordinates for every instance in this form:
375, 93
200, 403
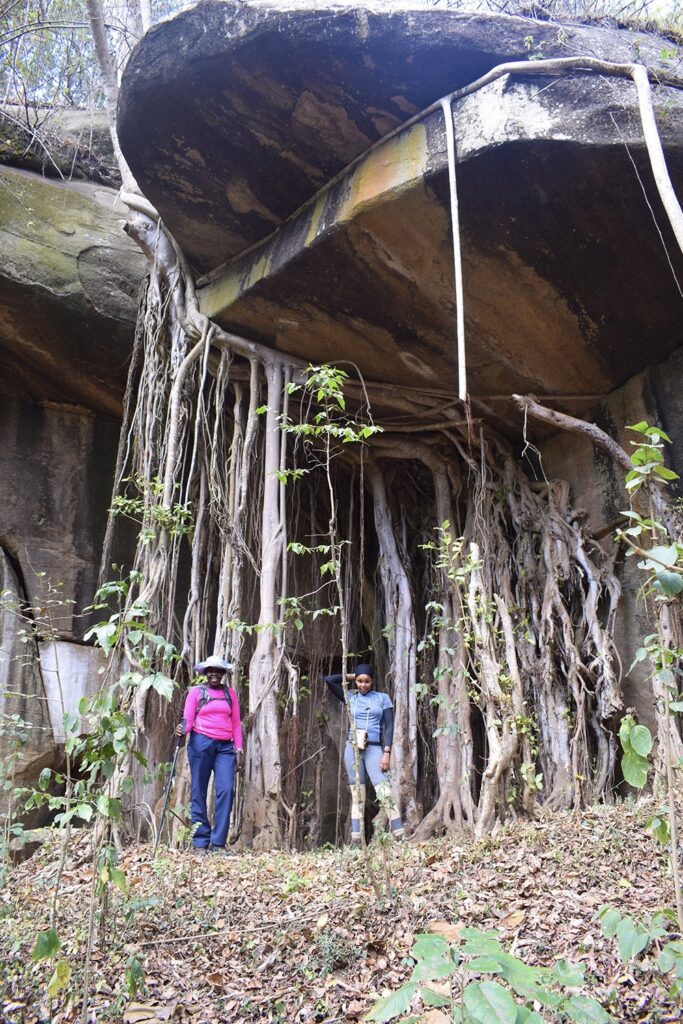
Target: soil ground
303, 937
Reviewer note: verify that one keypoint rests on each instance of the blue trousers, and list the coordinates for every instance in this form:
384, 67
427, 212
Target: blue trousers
369, 764
205, 756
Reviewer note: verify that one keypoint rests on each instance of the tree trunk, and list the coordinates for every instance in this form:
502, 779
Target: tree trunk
263, 782
401, 634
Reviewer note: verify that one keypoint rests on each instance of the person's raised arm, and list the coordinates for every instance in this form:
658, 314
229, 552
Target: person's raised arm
335, 683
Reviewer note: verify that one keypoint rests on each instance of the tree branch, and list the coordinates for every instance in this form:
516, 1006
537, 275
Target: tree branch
111, 89
560, 419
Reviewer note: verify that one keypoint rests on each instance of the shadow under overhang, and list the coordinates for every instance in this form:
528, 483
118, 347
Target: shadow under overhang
571, 272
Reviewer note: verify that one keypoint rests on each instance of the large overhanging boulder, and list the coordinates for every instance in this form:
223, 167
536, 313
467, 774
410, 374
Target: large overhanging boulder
69, 281
234, 116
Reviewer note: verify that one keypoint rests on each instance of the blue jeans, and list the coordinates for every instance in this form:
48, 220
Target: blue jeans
369, 764
369, 759
205, 756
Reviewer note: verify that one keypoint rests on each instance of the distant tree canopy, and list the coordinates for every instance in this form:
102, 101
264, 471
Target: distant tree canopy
47, 53
48, 59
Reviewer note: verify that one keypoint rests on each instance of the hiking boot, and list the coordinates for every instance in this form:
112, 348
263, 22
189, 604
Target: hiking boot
201, 851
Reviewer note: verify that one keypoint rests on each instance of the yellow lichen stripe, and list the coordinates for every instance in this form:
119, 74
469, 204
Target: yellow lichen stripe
316, 217
385, 172
236, 281
388, 169
257, 272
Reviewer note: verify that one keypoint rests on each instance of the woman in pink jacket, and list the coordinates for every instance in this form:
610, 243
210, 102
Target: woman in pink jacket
211, 719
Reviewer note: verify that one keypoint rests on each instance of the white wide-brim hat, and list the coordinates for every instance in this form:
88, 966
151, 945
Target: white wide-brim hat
213, 662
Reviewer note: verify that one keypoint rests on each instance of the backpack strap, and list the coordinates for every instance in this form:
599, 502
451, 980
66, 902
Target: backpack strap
204, 697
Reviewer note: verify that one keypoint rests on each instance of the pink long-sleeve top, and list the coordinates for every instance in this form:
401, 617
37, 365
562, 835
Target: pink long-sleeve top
217, 719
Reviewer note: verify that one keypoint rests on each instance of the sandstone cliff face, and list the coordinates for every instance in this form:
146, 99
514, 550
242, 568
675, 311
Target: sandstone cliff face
68, 292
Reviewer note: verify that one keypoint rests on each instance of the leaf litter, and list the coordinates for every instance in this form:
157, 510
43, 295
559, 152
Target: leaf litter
300, 938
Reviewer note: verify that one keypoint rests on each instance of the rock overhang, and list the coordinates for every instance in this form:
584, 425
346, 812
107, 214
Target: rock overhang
68, 293
565, 291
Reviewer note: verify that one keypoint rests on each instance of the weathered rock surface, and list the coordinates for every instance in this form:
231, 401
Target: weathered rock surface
69, 280
24, 750
234, 113
233, 116
56, 469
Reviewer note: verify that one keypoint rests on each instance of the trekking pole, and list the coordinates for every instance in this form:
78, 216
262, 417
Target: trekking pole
181, 740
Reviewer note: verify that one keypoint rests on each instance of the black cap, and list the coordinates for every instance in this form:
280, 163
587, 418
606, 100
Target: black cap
365, 670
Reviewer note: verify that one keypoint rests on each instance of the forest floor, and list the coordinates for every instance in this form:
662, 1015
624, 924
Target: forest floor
302, 938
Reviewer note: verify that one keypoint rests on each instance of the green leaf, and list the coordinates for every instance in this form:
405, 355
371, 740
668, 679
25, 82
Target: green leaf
641, 740
668, 583
44, 778
135, 975
429, 947
640, 428
119, 879
568, 975
527, 981
663, 555
632, 940
163, 685
46, 945
431, 970
489, 1003
60, 978
664, 473
105, 634
658, 434
393, 1005
478, 943
525, 1016
671, 956
634, 768
84, 811
609, 921
660, 828
584, 1010
108, 806
71, 722
484, 965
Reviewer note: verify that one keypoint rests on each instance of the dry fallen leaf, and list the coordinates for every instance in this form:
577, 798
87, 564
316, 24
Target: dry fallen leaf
216, 979
449, 931
147, 1013
434, 1017
442, 988
512, 920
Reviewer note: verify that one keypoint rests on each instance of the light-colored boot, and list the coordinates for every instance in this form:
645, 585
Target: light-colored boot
357, 813
388, 804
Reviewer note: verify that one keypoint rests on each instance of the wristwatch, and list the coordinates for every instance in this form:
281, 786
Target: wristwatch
387, 750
